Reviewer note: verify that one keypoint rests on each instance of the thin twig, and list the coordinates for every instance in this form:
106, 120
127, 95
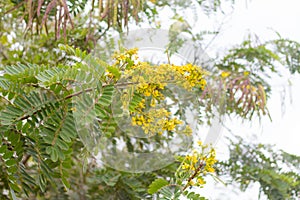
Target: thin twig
25, 159
14, 8
40, 3
105, 12
67, 12
193, 176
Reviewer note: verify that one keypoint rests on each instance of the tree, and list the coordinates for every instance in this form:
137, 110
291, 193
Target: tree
60, 104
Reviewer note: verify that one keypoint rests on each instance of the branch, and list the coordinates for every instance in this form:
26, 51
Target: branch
14, 8
193, 176
25, 159
79, 93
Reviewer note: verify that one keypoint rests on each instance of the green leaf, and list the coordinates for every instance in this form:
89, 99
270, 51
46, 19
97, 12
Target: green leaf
12, 193
167, 193
8, 154
54, 154
61, 154
65, 182
67, 164
15, 187
42, 182
156, 185
100, 111
136, 99
13, 169
68, 49
194, 196
3, 149
115, 71
111, 179
106, 97
10, 162
61, 144
95, 65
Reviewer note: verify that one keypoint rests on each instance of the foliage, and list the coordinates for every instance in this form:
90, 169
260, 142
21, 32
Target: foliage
276, 171
247, 71
190, 174
40, 112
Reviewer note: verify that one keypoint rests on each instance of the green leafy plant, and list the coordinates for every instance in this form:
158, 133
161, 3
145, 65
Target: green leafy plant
276, 171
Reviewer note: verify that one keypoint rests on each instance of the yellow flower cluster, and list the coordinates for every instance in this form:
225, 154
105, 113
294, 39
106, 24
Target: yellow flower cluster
141, 120
151, 89
192, 74
210, 160
188, 76
198, 164
149, 82
225, 74
170, 124
126, 56
156, 121
123, 61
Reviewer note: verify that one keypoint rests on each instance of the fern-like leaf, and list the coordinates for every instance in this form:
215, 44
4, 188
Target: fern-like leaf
157, 185
24, 107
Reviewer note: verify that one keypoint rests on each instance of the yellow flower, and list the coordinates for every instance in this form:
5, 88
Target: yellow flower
185, 166
147, 93
153, 103
246, 73
188, 130
155, 93
133, 121
132, 51
194, 159
141, 105
171, 124
192, 183
200, 181
209, 169
225, 74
